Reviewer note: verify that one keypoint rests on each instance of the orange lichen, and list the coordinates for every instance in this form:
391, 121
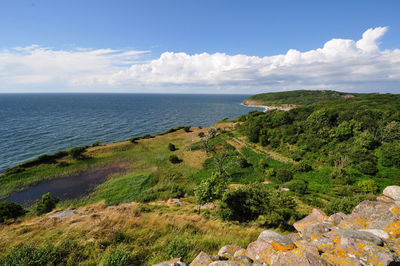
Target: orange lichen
395, 210
279, 247
393, 229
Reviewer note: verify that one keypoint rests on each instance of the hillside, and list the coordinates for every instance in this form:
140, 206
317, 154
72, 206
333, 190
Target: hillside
296, 97
190, 190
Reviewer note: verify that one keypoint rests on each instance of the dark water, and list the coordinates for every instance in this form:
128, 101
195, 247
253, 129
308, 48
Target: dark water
34, 124
65, 188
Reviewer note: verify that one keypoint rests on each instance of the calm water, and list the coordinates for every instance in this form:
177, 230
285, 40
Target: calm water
34, 124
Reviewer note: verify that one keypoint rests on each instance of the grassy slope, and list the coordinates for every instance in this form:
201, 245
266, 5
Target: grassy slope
298, 97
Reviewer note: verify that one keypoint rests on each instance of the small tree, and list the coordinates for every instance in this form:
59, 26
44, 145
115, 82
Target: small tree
46, 204
10, 210
171, 147
210, 189
367, 186
284, 175
77, 152
201, 135
174, 159
187, 129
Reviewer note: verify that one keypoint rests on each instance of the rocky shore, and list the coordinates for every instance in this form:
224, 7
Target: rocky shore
370, 235
266, 107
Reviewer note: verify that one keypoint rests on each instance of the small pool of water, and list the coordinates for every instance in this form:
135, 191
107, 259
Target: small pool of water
65, 188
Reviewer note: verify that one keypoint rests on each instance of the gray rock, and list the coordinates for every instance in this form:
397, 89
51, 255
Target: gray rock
227, 263
377, 232
63, 214
306, 258
271, 235
229, 250
336, 218
392, 192
294, 237
323, 244
202, 259
314, 229
242, 259
173, 262
258, 247
359, 235
316, 216
240, 252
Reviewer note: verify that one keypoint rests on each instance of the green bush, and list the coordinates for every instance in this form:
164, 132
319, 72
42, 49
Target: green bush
243, 163
201, 135
174, 159
119, 257
301, 167
187, 129
179, 247
367, 186
283, 175
262, 164
345, 204
210, 189
96, 143
391, 154
171, 147
77, 152
46, 204
367, 167
10, 210
298, 186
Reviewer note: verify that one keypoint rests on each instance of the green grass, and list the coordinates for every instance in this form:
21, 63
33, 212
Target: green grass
318, 180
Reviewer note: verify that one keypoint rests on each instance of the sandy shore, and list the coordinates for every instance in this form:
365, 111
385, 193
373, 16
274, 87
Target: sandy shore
266, 107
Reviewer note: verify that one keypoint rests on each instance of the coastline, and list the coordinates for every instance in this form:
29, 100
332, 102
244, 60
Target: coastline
266, 107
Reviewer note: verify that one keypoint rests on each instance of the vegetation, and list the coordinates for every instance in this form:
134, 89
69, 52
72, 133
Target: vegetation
77, 152
171, 147
10, 210
46, 204
174, 159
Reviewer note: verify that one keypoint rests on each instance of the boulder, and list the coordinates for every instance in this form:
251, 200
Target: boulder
323, 244
314, 230
227, 263
173, 262
282, 240
291, 258
336, 218
385, 199
240, 252
377, 232
229, 250
376, 214
259, 248
316, 216
294, 237
242, 259
203, 259
392, 192
359, 235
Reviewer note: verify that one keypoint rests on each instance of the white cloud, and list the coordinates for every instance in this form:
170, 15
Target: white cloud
340, 64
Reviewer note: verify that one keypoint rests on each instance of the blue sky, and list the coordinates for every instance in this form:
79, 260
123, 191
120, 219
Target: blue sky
135, 46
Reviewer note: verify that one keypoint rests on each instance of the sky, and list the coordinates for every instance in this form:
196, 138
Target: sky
207, 46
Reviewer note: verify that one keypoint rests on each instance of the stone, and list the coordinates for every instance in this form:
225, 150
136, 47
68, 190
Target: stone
274, 236
229, 250
173, 262
359, 235
385, 199
202, 259
294, 237
240, 252
258, 248
242, 259
336, 218
290, 258
63, 214
323, 244
377, 232
316, 216
313, 230
374, 212
227, 263
207, 206
392, 192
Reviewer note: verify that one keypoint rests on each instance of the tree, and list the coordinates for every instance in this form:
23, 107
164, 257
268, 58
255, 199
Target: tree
299, 186
210, 189
174, 159
46, 204
171, 147
208, 146
391, 154
391, 131
10, 210
367, 186
283, 175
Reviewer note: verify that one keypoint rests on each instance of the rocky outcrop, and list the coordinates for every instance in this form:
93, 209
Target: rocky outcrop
370, 235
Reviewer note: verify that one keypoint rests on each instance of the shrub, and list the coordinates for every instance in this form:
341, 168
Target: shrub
262, 164
345, 205
46, 204
77, 152
283, 175
179, 246
187, 129
391, 154
367, 167
96, 143
119, 257
174, 159
301, 167
367, 186
171, 147
63, 164
10, 210
243, 163
201, 135
298, 186
210, 189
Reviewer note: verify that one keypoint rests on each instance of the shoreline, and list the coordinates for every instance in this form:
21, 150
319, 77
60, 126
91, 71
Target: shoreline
267, 107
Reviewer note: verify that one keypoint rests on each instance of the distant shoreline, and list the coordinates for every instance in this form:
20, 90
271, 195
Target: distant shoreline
266, 107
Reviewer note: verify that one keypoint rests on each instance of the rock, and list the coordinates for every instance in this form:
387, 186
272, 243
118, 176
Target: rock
294, 237
229, 250
291, 258
377, 232
174, 262
227, 263
314, 230
242, 259
208, 206
316, 216
385, 199
63, 214
392, 192
336, 218
359, 235
377, 214
203, 259
284, 241
240, 252
324, 244
258, 248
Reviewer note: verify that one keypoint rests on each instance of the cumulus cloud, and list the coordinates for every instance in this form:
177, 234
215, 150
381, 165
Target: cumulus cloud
340, 64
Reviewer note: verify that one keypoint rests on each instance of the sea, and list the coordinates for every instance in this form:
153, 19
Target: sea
36, 124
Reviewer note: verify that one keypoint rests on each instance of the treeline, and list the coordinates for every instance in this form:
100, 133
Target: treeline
352, 135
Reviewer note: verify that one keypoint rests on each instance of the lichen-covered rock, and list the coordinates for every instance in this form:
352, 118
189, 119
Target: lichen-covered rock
240, 252
377, 232
242, 259
316, 216
374, 210
229, 250
228, 263
336, 218
291, 258
284, 241
385, 199
392, 192
323, 244
359, 235
173, 262
202, 259
315, 230
294, 237
258, 248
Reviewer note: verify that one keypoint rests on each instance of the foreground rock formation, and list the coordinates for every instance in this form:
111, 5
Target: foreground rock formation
370, 235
